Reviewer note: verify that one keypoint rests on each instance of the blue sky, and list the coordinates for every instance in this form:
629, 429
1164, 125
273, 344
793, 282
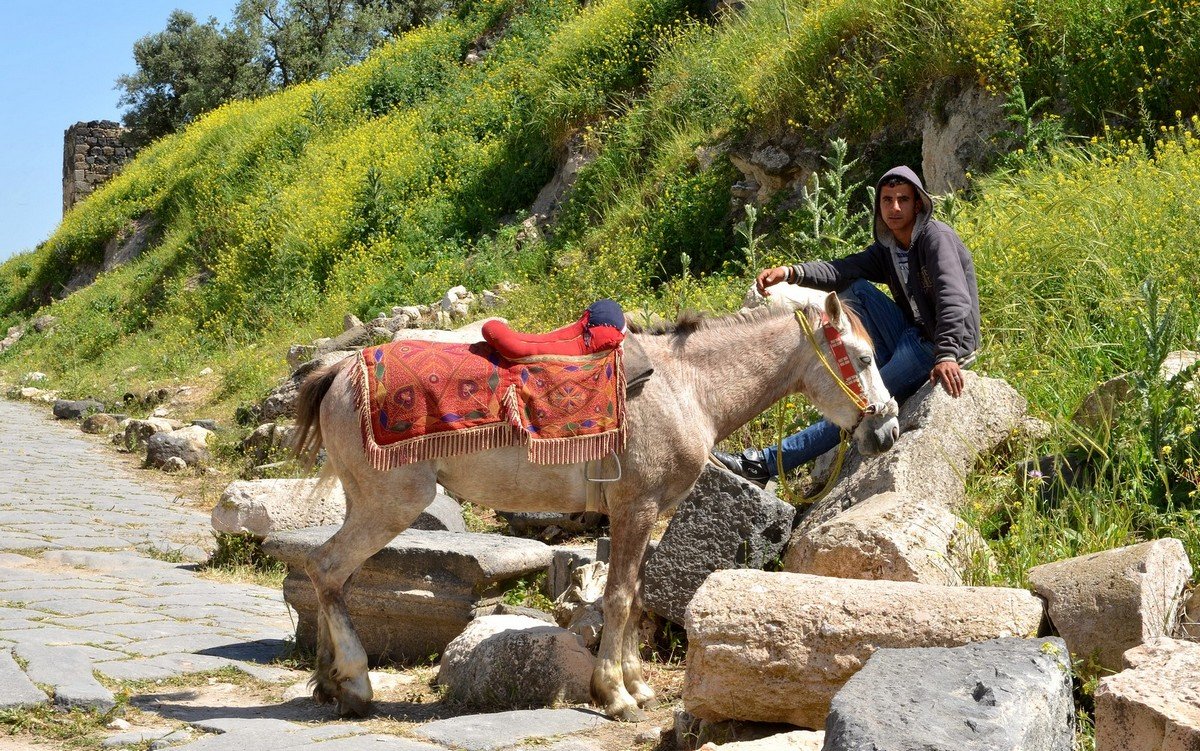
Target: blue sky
58, 63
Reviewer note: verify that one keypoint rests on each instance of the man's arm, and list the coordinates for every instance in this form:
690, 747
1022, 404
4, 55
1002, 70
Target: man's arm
836, 275
831, 276
952, 308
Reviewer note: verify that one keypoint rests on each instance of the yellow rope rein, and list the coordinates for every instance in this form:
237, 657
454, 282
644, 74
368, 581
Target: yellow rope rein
843, 444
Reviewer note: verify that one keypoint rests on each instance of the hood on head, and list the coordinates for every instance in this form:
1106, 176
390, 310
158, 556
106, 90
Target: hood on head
882, 233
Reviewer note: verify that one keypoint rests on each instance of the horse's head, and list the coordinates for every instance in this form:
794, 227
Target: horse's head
844, 382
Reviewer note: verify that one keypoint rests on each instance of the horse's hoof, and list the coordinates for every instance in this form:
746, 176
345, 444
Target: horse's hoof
352, 706
644, 696
628, 714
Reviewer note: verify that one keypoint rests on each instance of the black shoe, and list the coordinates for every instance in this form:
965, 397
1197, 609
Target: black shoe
750, 464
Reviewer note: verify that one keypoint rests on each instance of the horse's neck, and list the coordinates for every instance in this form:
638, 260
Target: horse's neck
733, 373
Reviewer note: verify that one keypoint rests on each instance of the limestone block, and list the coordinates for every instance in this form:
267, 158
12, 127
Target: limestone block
776, 647
725, 522
137, 432
580, 608
189, 444
941, 439
99, 423
959, 136
418, 593
282, 401
1155, 704
516, 662
889, 536
1189, 623
1106, 603
797, 740
443, 515
567, 558
1176, 363
260, 507
997, 695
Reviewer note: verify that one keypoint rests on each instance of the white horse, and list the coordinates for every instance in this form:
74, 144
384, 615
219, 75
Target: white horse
711, 376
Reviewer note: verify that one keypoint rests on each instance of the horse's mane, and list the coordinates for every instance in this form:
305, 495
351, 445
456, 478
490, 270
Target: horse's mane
691, 321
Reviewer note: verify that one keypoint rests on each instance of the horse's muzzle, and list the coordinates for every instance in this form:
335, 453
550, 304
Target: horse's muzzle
879, 433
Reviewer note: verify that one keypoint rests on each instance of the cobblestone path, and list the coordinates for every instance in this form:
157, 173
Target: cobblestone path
77, 596
80, 596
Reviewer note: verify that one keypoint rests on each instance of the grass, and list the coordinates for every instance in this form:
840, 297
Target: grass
240, 558
70, 728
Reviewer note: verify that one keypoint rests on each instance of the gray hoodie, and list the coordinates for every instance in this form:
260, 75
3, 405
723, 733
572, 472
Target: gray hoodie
938, 294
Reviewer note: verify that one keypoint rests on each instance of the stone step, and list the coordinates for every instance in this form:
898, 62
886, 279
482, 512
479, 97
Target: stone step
411, 598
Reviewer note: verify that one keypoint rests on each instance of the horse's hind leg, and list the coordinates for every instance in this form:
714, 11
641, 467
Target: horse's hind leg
378, 507
630, 534
631, 658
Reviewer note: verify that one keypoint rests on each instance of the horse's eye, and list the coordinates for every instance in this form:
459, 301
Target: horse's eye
865, 359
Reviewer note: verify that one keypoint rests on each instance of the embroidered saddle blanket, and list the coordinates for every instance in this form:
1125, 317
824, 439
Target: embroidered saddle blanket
421, 400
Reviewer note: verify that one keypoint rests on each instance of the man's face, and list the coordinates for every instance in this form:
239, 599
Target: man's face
898, 204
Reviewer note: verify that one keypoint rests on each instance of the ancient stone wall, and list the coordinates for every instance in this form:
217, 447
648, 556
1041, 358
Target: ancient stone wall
93, 151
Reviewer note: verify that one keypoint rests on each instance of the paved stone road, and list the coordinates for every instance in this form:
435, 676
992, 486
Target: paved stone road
80, 597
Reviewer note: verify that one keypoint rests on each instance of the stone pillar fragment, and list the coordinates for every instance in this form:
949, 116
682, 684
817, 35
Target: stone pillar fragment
1105, 603
1155, 704
776, 647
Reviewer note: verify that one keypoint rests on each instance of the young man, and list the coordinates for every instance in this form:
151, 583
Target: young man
927, 330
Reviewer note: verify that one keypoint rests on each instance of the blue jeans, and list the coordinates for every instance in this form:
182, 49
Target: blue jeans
904, 358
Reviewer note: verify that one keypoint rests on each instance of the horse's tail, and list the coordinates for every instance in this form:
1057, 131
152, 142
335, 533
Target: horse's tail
308, 439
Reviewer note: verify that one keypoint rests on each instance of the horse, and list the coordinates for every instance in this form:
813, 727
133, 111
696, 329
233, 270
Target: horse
711, 376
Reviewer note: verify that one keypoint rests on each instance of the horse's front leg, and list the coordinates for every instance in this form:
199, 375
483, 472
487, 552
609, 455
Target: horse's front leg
372, 520
630, 534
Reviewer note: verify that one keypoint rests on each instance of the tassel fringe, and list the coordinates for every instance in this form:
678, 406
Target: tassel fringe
512, 432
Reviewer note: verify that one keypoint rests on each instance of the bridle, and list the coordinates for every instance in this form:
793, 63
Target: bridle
846, 376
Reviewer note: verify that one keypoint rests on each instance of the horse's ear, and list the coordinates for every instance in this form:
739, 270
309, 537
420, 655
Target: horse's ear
833, 309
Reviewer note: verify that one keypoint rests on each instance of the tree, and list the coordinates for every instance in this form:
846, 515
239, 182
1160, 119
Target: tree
184, 71
190, 68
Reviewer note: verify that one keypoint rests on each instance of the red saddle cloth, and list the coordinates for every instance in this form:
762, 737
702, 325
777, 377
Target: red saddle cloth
421, 400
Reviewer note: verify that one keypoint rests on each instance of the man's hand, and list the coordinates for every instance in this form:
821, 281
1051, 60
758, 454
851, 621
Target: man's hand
770, 277
949, 375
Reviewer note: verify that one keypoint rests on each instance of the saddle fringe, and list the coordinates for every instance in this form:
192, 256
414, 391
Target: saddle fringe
511, 432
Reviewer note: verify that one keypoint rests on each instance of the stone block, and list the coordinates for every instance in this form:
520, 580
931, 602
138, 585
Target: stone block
66, 409
16, 690
260, 507
516, 662
188, 444
796, 740
412, 598
1155, 704
941, 439
443, 515
69, 671
776, 647
99, 424
518, 728
282, 401
137, 432
1106, 603
567, 558
997, 695
889, 536
725, 522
